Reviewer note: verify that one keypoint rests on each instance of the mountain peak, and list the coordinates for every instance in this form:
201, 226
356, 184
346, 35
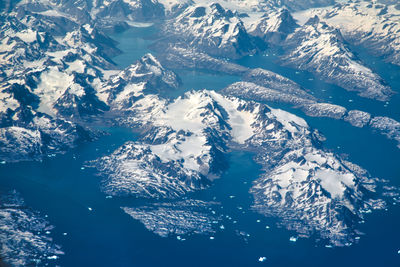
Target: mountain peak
212, 29
313, 21
218, 10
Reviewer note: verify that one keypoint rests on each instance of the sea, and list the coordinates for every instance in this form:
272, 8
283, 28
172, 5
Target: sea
94, 231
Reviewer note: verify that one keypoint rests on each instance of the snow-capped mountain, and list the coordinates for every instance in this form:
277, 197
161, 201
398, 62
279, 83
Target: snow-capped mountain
179, 57
315, 46
57, 74
172, 8
273, 27
51, 82
313, 191
212, 29
321, 49
31, 135
145, 76
185, 147
67, 85
249, 6
134, 169
276, 82
24, 234
370, 24
55, 68
31, 97
48, 83
110, 16
261, 85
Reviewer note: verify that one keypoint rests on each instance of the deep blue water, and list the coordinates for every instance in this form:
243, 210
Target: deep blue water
334, 94
107, 236
365, 147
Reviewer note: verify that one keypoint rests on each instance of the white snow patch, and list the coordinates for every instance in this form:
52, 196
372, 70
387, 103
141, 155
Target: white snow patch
76, 66
240, 121
334, 181
288, 120
53, 85
28, 36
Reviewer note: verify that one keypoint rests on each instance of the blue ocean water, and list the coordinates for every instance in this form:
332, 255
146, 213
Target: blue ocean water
334, 94
106, 236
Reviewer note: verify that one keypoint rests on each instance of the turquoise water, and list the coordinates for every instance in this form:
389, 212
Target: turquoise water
106, 236
134, 43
